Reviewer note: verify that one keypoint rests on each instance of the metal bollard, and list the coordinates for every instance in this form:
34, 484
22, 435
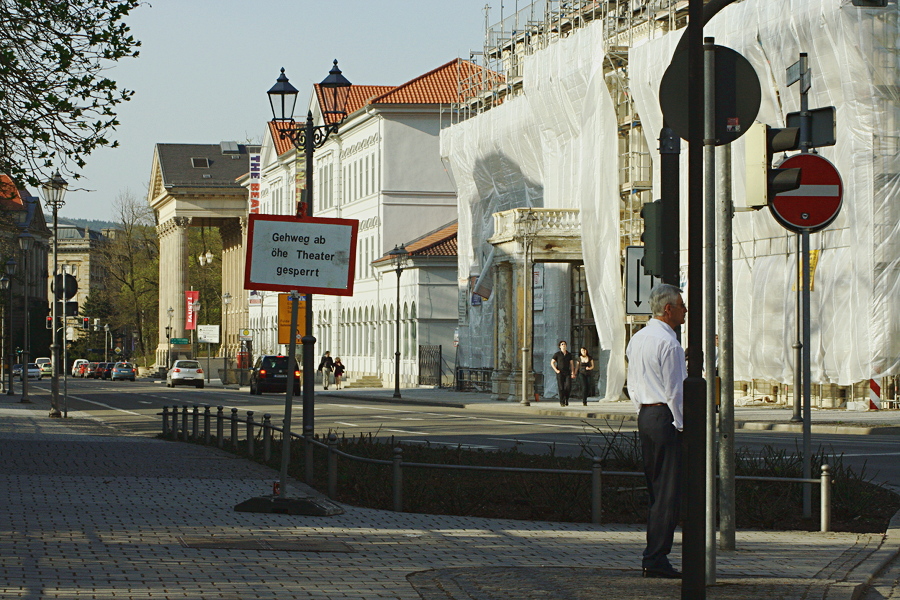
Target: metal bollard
332, 466
250, 434
596, 489
234, 428
826, 498
173, 430
185, 432
206, 431
267, 437
196, 424
165, 416
308, 455
220, 426
398, 479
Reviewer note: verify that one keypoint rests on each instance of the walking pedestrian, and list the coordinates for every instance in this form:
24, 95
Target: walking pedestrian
338, 372
564, 364
656, 374
326, 366
583, 367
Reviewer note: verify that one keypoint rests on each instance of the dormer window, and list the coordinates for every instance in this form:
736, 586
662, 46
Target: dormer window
200, 163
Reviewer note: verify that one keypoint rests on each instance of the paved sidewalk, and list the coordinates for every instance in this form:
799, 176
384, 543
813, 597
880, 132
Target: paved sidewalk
90, 513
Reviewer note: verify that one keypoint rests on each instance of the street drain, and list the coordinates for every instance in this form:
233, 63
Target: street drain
243, 543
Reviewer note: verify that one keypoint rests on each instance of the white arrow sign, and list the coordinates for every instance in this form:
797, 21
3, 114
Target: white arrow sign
637, 284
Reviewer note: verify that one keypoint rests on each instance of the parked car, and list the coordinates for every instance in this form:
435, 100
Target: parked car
106, 373
40, 361
83, 369
34, 371
123, 370
17, 371
270, 374
185, 372
96, 370
77, 371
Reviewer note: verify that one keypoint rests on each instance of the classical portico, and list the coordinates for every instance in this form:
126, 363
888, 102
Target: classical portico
194, 185
522, 237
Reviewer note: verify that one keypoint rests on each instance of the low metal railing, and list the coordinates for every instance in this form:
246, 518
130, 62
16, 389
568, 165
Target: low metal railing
170, 429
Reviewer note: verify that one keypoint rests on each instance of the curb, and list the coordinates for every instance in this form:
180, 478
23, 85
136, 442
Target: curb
863, 574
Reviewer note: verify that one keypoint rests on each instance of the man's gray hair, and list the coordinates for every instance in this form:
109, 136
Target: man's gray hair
660, 296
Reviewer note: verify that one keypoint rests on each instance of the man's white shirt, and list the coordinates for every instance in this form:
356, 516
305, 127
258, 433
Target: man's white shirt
657, 369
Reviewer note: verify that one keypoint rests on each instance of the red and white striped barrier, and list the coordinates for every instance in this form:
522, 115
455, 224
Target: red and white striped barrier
874, 395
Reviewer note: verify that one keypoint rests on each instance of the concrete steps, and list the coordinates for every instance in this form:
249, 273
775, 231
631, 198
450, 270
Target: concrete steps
366, 381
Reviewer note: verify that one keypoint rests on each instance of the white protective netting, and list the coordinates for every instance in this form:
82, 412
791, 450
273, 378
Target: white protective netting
556, 146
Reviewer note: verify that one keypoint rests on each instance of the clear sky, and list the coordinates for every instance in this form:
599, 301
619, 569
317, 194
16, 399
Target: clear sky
205, 67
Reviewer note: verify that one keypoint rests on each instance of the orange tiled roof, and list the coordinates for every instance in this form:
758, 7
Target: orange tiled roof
281, 145
10, 196
440, 242
438, 86
360, 96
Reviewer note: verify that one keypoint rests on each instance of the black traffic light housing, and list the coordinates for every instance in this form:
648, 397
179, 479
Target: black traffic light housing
763, 181
86, 323
49, 320
660, 239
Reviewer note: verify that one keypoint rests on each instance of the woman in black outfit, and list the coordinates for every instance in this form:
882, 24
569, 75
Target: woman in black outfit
583, 367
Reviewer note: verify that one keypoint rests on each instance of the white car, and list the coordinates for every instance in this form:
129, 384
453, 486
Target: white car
185, 372
34, 371
75, 366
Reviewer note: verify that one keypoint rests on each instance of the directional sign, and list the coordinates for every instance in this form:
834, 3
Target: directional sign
177, 341
637, 284
817, 202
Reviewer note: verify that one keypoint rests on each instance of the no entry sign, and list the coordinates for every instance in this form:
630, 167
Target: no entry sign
817, 202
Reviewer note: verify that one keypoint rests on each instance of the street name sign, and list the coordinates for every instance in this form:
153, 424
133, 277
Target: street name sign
310, 255
817, 202
637, 283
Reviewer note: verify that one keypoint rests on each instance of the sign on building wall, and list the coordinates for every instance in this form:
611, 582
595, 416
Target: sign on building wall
312, 255
255, 181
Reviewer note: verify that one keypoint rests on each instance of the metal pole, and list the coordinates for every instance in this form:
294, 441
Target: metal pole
54, 313
207, 362
709, 148
10, 390
65, 347
725, 365
26, 340
309, 342
289, 395
693, 581
807, 414
526, 223
397, 353
798, 329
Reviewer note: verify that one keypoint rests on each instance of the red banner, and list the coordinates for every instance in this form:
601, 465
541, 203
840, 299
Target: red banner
190, 318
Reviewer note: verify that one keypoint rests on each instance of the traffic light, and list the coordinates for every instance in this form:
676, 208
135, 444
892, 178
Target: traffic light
86, 323
763, 181
660, 239
49, 322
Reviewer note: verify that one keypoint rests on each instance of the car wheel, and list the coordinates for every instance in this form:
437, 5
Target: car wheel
169, 384
200, 383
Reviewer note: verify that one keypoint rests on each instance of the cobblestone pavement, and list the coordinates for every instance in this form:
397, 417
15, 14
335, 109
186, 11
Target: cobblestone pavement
89, 513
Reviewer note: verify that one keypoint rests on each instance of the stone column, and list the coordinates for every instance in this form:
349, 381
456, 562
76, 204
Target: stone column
504, 329
521, 320
173, 280
233, 283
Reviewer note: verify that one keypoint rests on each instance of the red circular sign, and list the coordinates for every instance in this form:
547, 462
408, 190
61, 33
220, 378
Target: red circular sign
817, 202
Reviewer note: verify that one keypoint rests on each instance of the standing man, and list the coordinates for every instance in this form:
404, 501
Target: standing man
326, 366
564, 364
656, 374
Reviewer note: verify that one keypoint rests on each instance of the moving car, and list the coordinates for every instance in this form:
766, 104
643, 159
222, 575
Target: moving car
123, 370
185, 372
270, 374
46, 369
77, 371
106, 372
34, 371
96, 370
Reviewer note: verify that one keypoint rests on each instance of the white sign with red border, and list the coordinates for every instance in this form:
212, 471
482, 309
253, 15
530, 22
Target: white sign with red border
312, 255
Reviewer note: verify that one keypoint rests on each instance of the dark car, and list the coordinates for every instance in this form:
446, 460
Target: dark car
106, 373
270, 374
123, 370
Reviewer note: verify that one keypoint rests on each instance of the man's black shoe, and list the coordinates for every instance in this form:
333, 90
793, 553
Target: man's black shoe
662, 573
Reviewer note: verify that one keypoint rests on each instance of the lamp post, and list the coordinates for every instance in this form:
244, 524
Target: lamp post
399, 256
170, 312
527, 221
11, 265
226, 300
195, 309
335, 89
4, 285
106, 343
26, 242
54, 191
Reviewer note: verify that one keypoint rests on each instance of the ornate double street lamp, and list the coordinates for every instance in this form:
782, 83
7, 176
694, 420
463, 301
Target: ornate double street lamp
399, 257
26, 242
54, 191
335, 90
11, 265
